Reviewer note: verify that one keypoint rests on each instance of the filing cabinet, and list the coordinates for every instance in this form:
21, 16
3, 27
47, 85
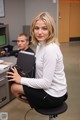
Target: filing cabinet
4, 90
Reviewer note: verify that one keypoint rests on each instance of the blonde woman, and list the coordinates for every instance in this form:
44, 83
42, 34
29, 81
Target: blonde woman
49, 88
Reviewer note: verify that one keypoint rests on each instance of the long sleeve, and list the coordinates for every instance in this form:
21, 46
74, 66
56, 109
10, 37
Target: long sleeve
49, 69
45, 66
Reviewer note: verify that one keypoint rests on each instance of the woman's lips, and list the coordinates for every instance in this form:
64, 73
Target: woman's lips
40, 37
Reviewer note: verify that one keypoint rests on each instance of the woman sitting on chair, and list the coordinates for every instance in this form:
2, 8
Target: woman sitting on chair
49, 88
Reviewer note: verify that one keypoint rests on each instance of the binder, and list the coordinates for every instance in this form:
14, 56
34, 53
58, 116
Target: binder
26, 63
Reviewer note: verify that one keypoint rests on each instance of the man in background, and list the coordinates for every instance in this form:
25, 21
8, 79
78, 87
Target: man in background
23, 43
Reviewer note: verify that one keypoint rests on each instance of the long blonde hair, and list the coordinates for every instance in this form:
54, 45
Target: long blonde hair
50, 22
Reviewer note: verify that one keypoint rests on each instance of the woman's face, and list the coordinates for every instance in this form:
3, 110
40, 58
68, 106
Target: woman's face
41, 31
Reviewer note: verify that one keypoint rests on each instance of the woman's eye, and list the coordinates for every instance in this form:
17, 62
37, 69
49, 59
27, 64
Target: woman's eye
45, 28
36, 28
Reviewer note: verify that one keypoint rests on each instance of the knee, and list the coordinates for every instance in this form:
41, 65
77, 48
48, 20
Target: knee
13, 88
16, 88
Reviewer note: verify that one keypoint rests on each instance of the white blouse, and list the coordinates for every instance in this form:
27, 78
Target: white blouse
50, 74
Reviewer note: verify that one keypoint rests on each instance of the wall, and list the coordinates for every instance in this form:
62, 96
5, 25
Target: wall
21, 12
14, 16
33, 7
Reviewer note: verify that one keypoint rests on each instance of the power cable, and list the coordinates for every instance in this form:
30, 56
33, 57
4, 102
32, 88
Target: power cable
27, 113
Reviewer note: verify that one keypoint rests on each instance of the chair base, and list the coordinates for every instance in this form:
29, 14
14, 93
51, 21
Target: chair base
51, 117
53, 112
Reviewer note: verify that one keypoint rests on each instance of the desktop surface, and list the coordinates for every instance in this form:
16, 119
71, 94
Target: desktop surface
11, 59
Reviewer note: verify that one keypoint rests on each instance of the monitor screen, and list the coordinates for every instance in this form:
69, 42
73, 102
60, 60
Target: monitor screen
3, 40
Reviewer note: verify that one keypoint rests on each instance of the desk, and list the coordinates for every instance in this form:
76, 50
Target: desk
5, 93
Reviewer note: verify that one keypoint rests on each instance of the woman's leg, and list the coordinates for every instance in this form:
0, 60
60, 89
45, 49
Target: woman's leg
17, 90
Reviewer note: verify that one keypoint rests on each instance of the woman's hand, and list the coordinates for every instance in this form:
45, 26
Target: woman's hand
14, 76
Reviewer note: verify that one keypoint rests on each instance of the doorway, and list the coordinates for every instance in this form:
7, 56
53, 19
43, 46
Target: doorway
69, 20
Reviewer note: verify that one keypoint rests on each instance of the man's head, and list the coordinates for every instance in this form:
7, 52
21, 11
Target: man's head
23, 41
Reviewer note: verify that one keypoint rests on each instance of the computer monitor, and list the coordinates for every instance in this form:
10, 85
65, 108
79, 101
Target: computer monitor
3, 40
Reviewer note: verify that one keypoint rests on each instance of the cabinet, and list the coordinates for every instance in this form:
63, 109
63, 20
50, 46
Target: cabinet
4, 91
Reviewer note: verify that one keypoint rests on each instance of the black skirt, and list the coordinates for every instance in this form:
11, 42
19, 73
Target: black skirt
38, 98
